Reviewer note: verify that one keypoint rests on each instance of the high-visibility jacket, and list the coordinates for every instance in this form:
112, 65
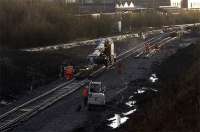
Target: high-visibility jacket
85, 92
69, 70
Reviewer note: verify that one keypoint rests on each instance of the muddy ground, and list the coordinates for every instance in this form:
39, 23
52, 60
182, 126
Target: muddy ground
129, 94
170, 104
176, 108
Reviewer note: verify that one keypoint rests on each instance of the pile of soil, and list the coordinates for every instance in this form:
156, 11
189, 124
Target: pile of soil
177, 107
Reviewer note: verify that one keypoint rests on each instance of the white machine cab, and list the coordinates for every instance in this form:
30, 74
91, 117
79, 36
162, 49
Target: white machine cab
104, 53
96, 94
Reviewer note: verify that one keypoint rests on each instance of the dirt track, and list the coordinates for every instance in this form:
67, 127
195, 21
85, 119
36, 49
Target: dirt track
67, 115
176, 108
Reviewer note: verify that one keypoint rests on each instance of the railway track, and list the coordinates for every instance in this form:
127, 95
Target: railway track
23, 112
30, 108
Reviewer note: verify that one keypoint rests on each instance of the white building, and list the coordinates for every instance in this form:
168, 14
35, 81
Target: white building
126, 5
176, 3
193, 4
190, 4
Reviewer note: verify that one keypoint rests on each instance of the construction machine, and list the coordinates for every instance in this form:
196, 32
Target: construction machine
103, 54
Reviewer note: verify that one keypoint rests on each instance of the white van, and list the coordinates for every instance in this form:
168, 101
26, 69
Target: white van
96, 94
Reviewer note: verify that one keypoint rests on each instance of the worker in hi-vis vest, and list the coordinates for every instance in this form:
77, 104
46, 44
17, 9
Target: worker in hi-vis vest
69, 72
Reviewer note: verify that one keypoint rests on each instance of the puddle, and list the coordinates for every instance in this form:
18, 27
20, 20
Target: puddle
130, 103
123, 116
141, 91
117, 120
129, 112
144, 89
155, 90
120, 119
153, 78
